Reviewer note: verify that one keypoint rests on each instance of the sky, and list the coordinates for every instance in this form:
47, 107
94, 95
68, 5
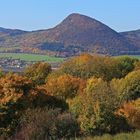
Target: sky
121, 15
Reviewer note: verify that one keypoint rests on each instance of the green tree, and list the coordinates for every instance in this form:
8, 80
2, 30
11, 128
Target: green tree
1, 73
95, 108
127, 88
38, 72
126, 64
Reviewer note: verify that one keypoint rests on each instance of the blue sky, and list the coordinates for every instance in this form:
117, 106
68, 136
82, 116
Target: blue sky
121, 15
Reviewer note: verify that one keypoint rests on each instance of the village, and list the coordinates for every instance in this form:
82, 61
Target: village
10, 64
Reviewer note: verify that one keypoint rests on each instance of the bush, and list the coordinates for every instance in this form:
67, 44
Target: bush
44, 124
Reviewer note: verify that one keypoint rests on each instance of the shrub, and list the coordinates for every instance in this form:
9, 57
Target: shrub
44, 124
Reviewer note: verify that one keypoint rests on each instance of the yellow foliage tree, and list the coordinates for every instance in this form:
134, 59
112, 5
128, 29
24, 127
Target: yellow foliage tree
38, 72
127, 88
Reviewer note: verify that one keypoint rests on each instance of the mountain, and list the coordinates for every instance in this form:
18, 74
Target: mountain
75, 34
133, 37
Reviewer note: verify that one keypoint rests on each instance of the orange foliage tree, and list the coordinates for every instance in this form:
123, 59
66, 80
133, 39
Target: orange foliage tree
64, 86
131, 111
17, 93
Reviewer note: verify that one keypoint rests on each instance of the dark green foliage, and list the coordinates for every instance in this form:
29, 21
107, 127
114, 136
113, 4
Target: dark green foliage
1, 73
126, 64
128, 88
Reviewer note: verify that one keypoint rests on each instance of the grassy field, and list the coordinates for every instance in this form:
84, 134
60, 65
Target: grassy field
121, 136
37, 57
134, 56
8, 48
31, 57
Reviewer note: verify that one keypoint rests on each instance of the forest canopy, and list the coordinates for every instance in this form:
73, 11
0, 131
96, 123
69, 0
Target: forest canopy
86, 95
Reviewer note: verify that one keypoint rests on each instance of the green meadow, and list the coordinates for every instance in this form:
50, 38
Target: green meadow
31, 57
133, 56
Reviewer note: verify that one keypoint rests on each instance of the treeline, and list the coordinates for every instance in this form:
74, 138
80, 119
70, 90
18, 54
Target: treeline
87, 95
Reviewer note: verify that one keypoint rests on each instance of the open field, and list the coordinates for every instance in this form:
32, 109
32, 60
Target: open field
2, 49
134, 56
38, 57
121, 136
31, 57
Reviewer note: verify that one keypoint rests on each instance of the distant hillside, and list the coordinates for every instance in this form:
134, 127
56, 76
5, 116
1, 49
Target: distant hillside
12, 32
133, 37
75, 34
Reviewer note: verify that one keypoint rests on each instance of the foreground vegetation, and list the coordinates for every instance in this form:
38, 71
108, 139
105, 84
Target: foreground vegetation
88, 97
122, 136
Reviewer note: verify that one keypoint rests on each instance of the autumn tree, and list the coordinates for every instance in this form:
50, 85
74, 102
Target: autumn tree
38, 72
79, 66
18, 93
13, 87
86, 66
64, 86
137, 65
126, 64
131, 112
128, 88
95, 108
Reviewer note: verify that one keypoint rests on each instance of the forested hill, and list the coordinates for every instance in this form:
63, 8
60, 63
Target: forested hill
133, 37
75, 34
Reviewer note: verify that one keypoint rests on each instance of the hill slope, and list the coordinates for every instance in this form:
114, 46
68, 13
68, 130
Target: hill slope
75, 34
133, 37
